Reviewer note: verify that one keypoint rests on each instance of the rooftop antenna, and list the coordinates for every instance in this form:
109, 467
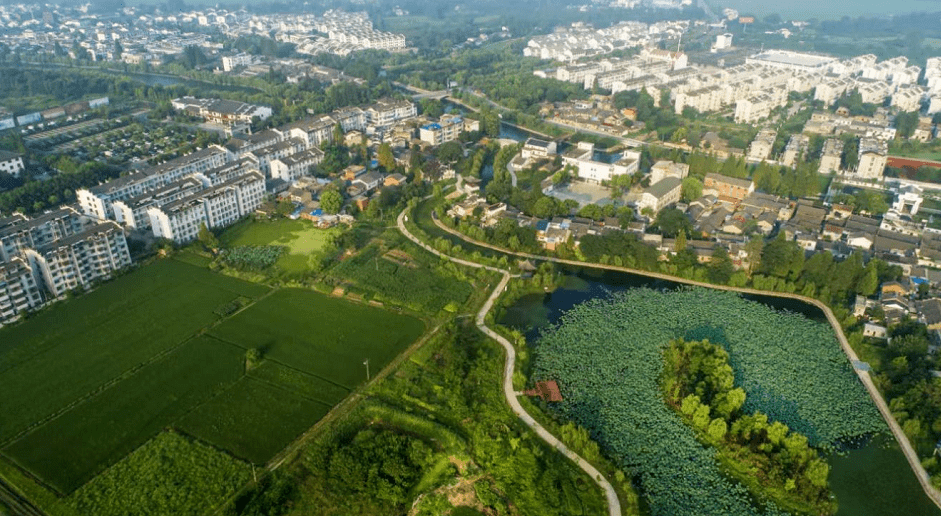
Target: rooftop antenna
678, 43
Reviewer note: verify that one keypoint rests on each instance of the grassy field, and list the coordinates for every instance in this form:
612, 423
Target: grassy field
179, 475
74, 348
320, 335
393, 270
133, 410
299, 236
253, 420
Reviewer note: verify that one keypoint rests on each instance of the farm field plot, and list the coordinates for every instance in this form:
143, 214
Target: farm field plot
398, 275
70, 350
253, 420
178, 475
69, 450
300, 237
320, 335
299, 382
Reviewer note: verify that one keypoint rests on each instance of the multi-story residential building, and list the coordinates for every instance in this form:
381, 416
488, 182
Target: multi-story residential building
538, 149
731, 188
264, 156
133, 212
290, 168
97, 201
388, 111
831, 156
314, 131
447, 129
230, 63
660, 194
219, 111
758, 107
11, 163
873, 155
350, 118
218, 206
796, 147
664, 169
80, 259
908, 98
19, 292
18, 233
760, 148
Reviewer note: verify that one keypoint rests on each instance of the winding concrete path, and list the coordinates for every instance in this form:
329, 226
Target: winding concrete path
614, 505
910, 455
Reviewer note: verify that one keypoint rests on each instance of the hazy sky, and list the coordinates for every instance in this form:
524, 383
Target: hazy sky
829, 9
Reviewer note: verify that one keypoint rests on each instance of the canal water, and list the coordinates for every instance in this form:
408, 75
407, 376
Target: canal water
871, 480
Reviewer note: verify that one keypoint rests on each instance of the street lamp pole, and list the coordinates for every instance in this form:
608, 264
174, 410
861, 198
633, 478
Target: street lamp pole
366, 363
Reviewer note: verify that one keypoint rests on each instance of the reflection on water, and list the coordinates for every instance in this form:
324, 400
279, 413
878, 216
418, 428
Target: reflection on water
873, 479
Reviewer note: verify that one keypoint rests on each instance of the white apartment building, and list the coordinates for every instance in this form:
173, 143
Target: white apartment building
81, 259
664, 169
873, 155
264, 156
796, 147
350, 118
831, 156
19, 292
908, 98
225, 112
760, 148
660, 194
538, 149
447, 129
230, 63
97, 200
388, 111
795, 61
758, 107
218, 206
18, 233
314, 131
582, 158
290, 168
11, 163
132, 213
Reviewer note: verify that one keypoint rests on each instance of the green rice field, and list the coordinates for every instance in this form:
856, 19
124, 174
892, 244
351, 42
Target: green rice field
98, 378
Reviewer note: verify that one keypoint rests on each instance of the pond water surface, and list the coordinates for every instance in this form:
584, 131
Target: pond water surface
873, 479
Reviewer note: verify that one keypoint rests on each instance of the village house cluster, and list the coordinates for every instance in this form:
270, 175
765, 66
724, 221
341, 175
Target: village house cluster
136, 36
568, 44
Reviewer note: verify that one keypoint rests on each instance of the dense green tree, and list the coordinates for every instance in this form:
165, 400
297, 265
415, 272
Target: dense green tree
331, 201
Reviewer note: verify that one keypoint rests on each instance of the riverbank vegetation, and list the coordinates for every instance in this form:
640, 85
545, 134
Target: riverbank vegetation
435, 436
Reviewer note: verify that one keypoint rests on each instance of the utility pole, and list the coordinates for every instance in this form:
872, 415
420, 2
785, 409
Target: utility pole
366, 363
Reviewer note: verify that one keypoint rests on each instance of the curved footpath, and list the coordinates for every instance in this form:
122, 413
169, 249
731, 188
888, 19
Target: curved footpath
863, 375
614, 505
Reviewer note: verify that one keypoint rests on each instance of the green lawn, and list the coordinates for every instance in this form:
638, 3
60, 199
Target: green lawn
326, 337
71, 449
301, 238
253, 420
74, 348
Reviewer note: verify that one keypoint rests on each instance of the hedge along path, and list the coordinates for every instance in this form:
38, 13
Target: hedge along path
933, 493
614, 505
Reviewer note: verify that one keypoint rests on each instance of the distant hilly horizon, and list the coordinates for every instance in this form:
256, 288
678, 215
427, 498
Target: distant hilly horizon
827, 10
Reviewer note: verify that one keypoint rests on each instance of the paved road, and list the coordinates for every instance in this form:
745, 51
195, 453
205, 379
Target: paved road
923, 478
614, 505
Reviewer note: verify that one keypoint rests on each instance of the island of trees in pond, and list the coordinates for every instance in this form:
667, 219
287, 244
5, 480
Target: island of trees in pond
781, 389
